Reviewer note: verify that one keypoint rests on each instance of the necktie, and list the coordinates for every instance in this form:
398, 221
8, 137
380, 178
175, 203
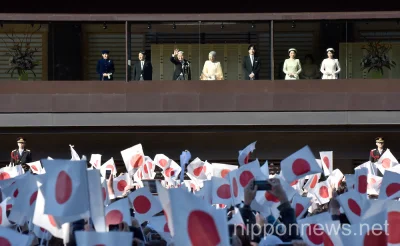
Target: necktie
252, 60
142, 63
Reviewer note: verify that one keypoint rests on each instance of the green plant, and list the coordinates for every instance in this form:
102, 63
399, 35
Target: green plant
376, 57
20, 51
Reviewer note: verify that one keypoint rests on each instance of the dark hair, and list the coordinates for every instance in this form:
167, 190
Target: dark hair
309, 56
251, 46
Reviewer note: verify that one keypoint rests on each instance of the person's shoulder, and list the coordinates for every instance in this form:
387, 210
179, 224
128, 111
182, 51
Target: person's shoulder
27, 150
13, 150
372, 150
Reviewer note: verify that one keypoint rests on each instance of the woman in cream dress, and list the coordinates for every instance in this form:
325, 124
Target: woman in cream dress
212, 69
330, 68
292, 66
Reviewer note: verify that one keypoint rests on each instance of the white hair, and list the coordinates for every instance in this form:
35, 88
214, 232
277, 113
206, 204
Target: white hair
180, 52
213, 53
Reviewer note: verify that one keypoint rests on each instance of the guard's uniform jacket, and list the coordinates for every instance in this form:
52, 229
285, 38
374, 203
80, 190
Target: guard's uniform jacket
21, 159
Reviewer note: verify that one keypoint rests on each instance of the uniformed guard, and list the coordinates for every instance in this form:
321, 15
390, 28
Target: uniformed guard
21, 156
105, 67
375, 154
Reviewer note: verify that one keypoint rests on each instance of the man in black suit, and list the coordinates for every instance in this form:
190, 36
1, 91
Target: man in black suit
21, 156
251, 65
182, 66
142, 70
375, 154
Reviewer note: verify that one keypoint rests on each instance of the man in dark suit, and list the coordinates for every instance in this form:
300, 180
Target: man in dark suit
375, 154
21, 156
251, 65
142, 70
105, 66
182, 66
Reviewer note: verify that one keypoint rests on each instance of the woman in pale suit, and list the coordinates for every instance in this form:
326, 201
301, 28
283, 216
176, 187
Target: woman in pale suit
292, 66
212, 69
330, 68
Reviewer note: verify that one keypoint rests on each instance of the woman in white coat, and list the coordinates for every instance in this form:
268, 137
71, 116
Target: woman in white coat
330, 67
292, 66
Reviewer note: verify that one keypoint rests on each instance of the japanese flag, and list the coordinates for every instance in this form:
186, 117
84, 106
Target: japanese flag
320, 230
9, 237
206, 192
221, 191
335, 178
95, 160
96, 197
386, 161
148, 168
120, 183
197, 222
164, 197
24, 204
327, 161
75, 156
144, 204
221, 170
160, 225
234, 186
246, 173
374, 184
133, 157
353, 205
322, 192
197, 168
300, 205
171, 171
312, 182
104, 191
66, 186
36, 167
98, 238
244, 155
390, 187
8, 173
161, 160
299, 164
4, 222
118, 212
109, 165
361, 178
393, 221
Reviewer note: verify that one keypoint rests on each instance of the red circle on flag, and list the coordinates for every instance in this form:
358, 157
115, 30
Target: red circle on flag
375, 238
148, 167
111, 167
245, 178
193, 186
386, 163
16, 192
1, 215
224, 172
100, 245
270, 197
362, 184
235, 187
33, 198
314, 181
354, 207
315, 234
34, 168
63, 189
294, 182
372, 181
326, 161
4, 176
246, 159
9, 207
299, 209
327, 240
166, 228
114, 217
300, 167
104, 193
323, 192
4, 242
43, 230
141, 204
201, 225
224, 191
392, 189
393, 227
121, 185
163, 162
169, 172
136, 160
197, 171
52, 220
